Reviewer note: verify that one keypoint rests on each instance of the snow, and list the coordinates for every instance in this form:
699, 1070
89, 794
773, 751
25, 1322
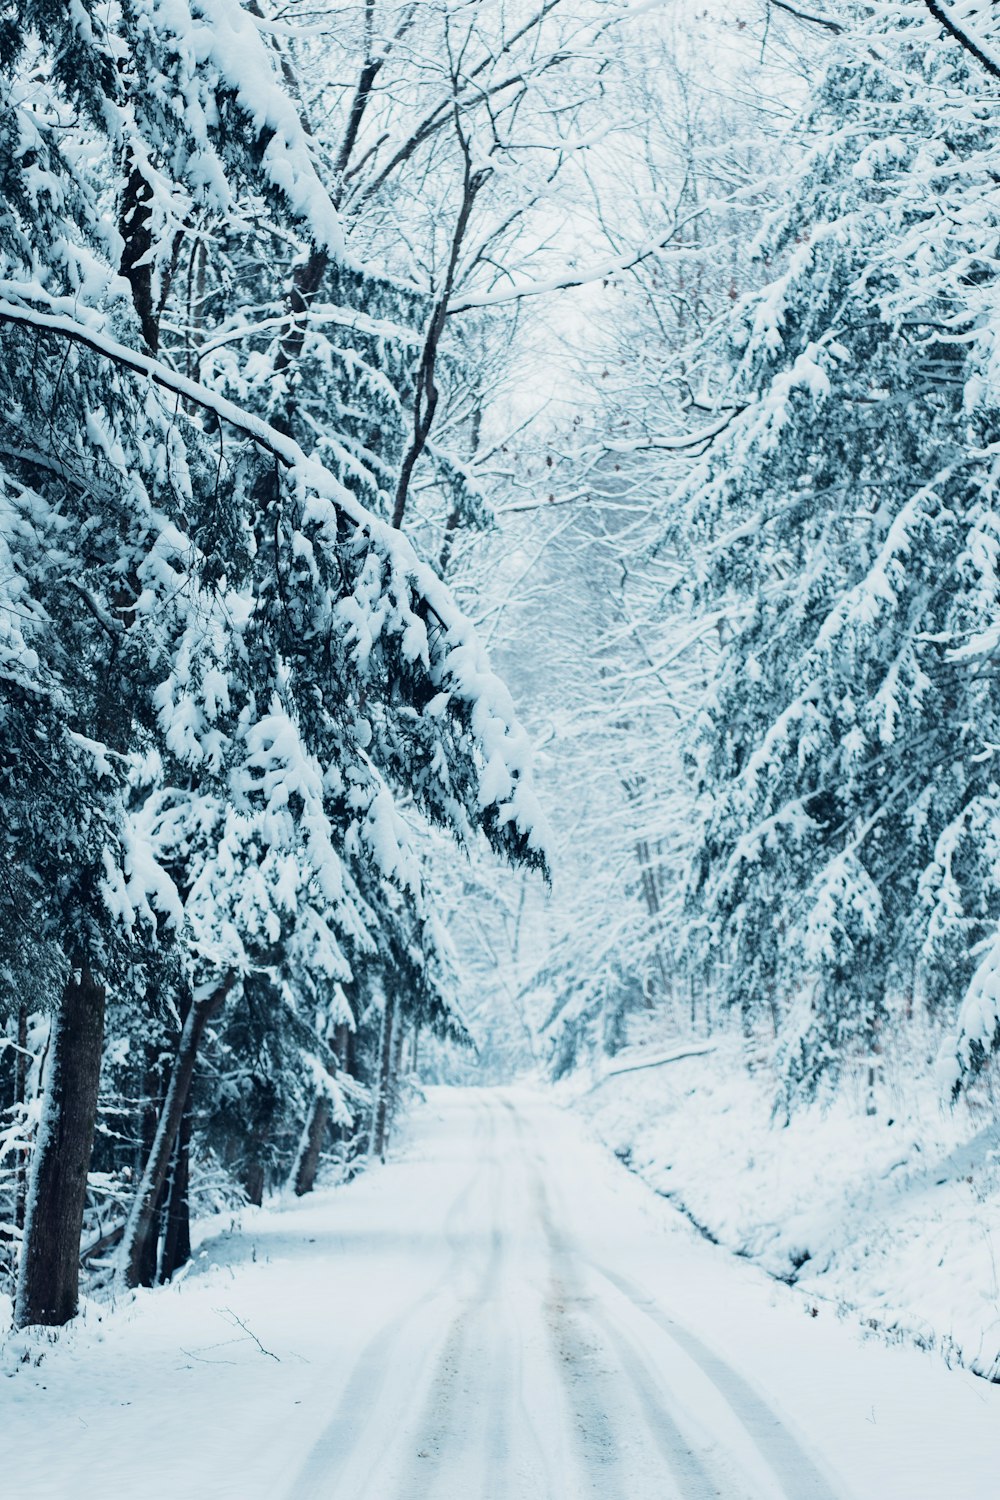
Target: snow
978, 1019
218, 42
891, 1220
500, 1310
393, 575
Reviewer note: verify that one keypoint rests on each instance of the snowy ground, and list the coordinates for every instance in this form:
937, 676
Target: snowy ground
893, 1218
501, 1312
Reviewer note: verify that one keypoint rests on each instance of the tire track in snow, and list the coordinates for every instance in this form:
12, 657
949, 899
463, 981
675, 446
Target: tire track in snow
577, 1360
792, 1466
575, 1357
593, 1390
527, 1422
361, 1414
684, 1465
693, 1479
476, 1417
442, 1438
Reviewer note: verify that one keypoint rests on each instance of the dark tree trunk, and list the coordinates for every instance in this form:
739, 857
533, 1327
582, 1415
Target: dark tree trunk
153, 1090
177, 1239
253, 1183
312, 1146
395, 1075
427, 393
49, 1279
141, 1223
135, 224
380, 1114
343, 1047
20, 1099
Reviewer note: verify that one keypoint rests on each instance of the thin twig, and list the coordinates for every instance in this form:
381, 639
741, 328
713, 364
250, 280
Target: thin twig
222, 1311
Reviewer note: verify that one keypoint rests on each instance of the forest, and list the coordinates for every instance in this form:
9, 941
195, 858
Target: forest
499, 617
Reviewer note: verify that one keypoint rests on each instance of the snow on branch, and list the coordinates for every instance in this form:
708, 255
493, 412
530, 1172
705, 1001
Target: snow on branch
811, 17
615, 265
220, 34
984, 57
458, 668
977, 1034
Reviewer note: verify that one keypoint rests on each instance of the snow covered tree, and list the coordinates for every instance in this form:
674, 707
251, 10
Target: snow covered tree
584, 492
245, 664
843, 534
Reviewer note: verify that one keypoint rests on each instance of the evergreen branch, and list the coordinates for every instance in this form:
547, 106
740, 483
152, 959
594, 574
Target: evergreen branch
283, 449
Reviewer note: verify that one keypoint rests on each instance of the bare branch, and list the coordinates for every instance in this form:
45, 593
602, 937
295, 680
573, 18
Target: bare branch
813, 18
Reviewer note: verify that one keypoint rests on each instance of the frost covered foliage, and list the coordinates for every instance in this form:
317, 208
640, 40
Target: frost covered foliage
844, 526
230, 692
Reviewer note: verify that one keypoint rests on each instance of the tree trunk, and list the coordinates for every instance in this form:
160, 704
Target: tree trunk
20, 1099
49, 1279
395, 1074
380, 1113
142, 1216
253, 1183
177, 1239
153, 1095
311, 1148
344, 1044
343, 1047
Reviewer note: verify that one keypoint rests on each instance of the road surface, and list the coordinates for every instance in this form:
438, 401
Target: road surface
502, 1313
533, 1365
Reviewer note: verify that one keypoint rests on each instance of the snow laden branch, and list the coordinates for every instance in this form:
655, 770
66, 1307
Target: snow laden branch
957, 27
462, 676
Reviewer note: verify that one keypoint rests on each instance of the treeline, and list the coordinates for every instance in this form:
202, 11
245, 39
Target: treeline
844, 525
233, 698
795, 438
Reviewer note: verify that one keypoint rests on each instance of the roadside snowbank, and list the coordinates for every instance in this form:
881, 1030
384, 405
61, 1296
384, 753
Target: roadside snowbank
894, 1217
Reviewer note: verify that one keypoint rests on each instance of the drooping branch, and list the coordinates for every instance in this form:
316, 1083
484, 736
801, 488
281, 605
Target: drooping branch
282, 448
429, 599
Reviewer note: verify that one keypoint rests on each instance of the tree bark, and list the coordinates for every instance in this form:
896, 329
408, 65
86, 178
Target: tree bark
142, 1216
253, 1183
426, 397
395, 1074
48, 1289
153, 1096
20, 1099
343, 1046
311, 1149
342, 1037
381, 1110
177, 1239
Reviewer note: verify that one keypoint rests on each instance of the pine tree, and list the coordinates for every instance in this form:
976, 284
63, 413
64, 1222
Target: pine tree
243, 666
844, 533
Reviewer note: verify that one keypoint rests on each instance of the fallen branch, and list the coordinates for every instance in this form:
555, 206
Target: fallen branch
696, 1049
105, 1241
228, 1313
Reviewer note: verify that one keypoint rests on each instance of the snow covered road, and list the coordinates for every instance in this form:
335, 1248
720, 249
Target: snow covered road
502, 1313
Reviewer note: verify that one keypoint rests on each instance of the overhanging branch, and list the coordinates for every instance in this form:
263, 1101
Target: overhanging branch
975, 49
